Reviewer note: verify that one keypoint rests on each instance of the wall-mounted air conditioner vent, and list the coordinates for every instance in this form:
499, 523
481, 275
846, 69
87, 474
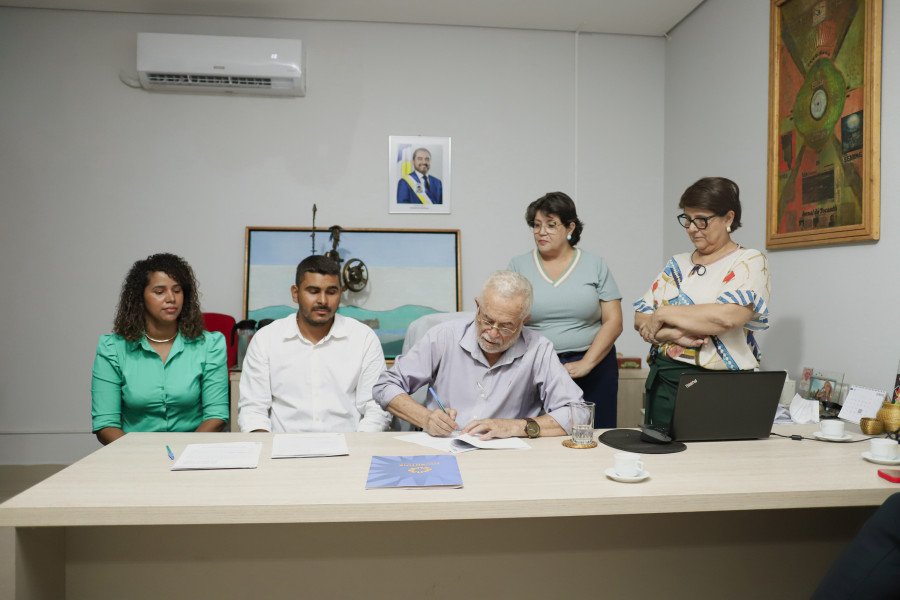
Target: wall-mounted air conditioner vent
215, 64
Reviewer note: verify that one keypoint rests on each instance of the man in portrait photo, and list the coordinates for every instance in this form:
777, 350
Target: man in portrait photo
418, 187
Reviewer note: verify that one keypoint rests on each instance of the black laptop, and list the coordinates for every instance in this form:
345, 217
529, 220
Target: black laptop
726, 405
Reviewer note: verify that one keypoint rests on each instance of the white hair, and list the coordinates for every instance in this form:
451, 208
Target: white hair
509, 284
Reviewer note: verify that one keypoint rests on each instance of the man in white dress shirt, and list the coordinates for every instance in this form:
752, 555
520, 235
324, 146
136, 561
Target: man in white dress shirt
312, 371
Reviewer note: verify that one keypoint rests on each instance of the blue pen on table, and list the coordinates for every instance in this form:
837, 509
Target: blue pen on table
438, 400
171, 454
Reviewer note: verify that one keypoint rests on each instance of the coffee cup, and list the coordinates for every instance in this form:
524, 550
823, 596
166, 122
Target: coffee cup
627, 464
883, 448
832, 428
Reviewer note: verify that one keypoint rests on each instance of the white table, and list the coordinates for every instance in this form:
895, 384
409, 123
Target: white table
755, 518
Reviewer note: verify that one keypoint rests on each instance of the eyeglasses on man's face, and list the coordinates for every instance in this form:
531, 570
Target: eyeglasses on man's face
698, 222
504, 329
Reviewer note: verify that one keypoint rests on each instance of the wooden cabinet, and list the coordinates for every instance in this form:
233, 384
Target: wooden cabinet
631, 397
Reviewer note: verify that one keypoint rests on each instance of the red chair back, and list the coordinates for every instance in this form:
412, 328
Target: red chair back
223, 324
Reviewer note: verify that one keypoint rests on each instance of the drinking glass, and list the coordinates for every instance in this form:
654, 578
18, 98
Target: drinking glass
582, 423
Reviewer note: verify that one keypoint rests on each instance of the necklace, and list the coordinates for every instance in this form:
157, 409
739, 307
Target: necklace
160, 341
700, 270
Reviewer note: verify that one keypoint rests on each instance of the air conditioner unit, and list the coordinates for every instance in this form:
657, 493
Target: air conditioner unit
170, 62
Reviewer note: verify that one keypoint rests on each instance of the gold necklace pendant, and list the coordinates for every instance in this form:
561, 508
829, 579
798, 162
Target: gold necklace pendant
160, 341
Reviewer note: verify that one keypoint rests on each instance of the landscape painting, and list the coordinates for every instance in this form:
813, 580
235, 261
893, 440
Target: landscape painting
391, 276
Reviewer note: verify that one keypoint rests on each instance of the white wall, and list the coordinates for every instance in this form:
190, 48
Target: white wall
95, 175
832, 308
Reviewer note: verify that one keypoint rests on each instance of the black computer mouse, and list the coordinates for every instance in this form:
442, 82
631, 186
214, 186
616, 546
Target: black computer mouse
655, 435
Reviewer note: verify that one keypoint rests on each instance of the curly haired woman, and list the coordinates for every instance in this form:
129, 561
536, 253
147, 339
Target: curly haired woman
159, 370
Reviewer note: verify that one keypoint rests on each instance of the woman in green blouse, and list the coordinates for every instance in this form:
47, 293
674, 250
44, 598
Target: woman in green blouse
159, 370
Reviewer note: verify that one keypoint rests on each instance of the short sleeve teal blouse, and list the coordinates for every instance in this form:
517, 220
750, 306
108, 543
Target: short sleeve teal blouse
134, 390
567, 310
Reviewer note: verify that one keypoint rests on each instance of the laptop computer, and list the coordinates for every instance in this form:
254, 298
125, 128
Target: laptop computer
726, 405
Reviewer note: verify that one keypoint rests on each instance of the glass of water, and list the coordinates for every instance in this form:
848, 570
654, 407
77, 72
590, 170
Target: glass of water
582, 423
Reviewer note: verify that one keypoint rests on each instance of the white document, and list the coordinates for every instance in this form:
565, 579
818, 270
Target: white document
423, 439
463, 443
228, 455
465, 440
307, 445
861, 402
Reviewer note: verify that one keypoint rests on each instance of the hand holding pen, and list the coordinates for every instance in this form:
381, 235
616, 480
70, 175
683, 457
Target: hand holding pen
441, 423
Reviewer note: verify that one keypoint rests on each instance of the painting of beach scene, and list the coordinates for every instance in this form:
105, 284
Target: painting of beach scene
408, 273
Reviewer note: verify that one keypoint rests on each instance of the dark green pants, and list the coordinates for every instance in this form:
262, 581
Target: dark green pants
661, 388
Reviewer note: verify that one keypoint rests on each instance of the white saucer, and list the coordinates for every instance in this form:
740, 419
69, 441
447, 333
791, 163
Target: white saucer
827, 438
879, 461
611, 473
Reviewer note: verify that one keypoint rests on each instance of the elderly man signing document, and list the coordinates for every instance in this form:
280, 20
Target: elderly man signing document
492, 376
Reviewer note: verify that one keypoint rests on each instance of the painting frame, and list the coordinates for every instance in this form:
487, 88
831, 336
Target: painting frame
824, 183
424, 277
406, 192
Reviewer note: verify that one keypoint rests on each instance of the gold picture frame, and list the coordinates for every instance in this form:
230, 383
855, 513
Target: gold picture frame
824, 153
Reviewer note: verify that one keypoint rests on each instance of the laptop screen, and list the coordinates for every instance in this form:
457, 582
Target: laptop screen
726, 405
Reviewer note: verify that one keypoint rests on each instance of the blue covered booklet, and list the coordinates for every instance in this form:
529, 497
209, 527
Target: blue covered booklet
428, 470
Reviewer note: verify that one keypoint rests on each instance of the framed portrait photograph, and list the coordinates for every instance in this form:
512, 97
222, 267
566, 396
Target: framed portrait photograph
825, 387
418, 174
822, 389
390, 277
824, 157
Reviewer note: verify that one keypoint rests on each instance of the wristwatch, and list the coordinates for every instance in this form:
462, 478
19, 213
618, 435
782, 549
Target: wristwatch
532, 429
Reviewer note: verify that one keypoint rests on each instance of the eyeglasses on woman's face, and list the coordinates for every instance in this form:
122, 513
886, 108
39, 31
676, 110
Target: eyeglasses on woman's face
698, 222
550, 227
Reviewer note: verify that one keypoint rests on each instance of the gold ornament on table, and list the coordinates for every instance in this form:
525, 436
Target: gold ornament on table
871, 426
890, 416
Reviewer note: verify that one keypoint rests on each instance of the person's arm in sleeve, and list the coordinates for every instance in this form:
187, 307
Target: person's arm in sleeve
557, 392
749, 285
611, 329
214, 385
256, 392
645, 308
410, 372
106, 393
374, 417
610, 324
736, 306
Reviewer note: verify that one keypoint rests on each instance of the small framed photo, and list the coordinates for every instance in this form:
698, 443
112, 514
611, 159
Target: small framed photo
822, 389
827, 387
418, 174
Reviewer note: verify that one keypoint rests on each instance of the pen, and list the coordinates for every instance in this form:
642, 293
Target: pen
438, 400
171, 455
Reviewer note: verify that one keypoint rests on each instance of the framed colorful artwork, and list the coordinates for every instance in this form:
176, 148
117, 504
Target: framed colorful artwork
824, 167
391, 277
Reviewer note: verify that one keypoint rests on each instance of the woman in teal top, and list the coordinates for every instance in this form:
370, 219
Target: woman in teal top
158, 370
577, 304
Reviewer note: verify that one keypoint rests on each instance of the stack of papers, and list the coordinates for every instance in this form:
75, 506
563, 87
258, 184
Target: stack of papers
463, 443
307, 445
229, 455
429, 470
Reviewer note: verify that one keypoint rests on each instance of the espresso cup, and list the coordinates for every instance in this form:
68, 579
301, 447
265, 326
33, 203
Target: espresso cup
627, 464
832, 428
883, 448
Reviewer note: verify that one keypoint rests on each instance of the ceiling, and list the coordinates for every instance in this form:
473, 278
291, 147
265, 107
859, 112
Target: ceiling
634, 17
